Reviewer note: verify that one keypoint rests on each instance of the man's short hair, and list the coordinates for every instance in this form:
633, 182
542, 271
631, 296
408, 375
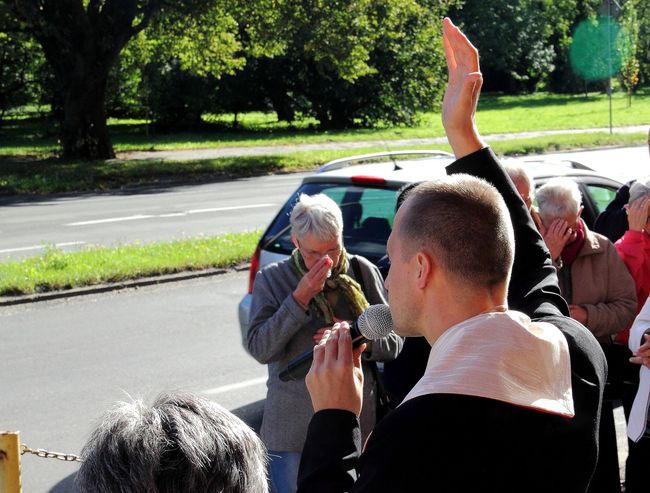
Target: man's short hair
182, 443
639, 189
463, 222
558, 198
318, 215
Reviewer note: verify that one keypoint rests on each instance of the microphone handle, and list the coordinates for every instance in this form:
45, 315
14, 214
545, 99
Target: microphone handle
298, 367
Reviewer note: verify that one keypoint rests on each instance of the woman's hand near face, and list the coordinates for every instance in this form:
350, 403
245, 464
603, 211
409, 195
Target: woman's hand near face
313, 281
637, 214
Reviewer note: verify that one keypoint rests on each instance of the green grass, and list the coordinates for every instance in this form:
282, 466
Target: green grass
497, 114
24, 176
56, 270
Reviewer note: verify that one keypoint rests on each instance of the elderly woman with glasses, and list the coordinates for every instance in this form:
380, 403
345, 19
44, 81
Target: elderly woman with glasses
294, 301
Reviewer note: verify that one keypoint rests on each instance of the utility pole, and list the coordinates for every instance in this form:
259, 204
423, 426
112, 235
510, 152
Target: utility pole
609, 57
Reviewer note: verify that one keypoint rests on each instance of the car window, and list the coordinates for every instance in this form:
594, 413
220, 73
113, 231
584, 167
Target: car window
367, 218
601, 195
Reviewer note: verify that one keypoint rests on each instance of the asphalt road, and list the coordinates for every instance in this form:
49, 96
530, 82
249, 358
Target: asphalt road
159, 214
64, 362
72, 221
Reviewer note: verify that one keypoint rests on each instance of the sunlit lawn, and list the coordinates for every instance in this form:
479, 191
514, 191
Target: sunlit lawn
497, 114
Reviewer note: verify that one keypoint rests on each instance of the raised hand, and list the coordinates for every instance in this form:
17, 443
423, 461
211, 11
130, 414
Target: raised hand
313, 281
463, 89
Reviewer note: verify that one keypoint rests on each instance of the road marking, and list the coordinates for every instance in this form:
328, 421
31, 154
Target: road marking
219, 209
39, 247
172, 214
109, 220
235, 386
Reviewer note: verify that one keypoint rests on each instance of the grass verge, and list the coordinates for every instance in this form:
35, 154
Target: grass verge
57, 270
24, 176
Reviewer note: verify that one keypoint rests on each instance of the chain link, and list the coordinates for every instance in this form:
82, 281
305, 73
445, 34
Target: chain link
24, 449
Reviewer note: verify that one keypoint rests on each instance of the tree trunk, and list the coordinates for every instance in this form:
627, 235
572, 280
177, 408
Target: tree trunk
84, 131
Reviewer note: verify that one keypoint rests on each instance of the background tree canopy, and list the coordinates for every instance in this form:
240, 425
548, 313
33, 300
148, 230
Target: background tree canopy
343, 62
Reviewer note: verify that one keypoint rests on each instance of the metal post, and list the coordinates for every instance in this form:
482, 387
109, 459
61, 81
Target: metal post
609, 61
9, 462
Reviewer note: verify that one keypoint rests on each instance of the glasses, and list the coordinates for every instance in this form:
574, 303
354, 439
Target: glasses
316, 254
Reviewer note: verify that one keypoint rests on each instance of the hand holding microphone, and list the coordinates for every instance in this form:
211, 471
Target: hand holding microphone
335, 380
374, 323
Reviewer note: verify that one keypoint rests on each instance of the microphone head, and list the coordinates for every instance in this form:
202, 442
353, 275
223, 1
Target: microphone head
375, 322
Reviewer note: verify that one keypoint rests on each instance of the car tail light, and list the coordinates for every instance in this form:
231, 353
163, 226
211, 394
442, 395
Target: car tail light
367, 180
255, 266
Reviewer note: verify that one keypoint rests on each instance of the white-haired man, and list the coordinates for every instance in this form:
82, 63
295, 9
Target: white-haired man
506, 404
293, 302
593, 278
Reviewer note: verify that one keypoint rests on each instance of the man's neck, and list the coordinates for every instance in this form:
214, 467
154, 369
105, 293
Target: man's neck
457, 305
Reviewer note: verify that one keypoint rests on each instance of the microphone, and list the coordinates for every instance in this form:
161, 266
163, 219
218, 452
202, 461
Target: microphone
374, 323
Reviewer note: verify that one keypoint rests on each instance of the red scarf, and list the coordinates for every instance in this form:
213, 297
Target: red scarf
571, 250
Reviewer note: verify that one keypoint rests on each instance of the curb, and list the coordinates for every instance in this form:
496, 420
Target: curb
130, 284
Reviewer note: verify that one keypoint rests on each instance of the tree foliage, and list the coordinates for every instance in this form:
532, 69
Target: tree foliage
82, 41
519, 40
20, 63
628, 45
350, 62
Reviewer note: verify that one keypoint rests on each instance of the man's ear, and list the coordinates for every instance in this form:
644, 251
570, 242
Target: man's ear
580, 211
424, 268
294, 240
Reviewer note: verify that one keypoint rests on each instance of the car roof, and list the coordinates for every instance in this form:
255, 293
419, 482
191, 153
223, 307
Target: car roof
394, 169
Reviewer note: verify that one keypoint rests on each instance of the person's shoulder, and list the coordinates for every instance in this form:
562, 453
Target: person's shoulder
280, 265
280, 269
363, 261
597, 242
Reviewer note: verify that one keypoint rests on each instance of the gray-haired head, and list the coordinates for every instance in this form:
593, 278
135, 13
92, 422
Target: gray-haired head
182, 443
523, 181
639, 189
317, 215
558, 198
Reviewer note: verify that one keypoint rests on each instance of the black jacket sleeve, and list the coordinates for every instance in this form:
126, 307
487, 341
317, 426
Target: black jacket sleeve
331, 452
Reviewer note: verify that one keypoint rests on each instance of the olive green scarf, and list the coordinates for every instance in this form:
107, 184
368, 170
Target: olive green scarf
338, 281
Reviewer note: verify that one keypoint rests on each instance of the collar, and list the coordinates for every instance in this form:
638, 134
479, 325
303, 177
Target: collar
502, 356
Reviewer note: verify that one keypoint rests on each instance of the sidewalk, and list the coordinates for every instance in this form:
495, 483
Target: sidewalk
233, 151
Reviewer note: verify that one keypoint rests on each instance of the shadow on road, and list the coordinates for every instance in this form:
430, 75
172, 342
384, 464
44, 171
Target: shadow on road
66, 485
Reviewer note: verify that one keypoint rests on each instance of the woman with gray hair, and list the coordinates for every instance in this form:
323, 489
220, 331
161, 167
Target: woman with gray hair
634, 246
294, 302
634, 249
600, 292
182, 443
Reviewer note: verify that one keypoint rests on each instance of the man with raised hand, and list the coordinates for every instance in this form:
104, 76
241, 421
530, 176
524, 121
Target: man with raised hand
510, 400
